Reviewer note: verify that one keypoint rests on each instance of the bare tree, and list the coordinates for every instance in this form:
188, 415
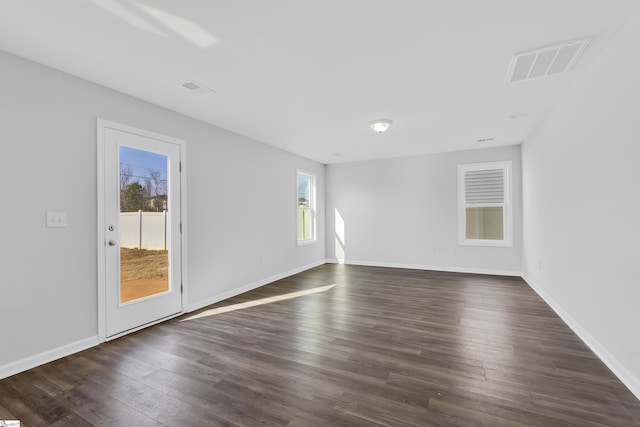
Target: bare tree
157, 189
146, 193
125, 176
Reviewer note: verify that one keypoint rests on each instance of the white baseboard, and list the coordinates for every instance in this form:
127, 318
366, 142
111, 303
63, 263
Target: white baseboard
429, 267
619, 370
258, 283
46, 357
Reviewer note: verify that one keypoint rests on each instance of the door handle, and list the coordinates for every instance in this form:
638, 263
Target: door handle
112, 242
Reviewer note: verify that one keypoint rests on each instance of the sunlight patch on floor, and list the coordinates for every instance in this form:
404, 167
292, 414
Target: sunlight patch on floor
249, 304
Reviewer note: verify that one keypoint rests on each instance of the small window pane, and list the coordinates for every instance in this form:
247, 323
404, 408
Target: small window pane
485, 223
304, 191
305, 226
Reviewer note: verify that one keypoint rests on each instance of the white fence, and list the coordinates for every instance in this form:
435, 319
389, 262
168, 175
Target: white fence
144, 230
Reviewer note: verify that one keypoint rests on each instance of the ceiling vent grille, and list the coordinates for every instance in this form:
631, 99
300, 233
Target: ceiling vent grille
545, 61
196, 87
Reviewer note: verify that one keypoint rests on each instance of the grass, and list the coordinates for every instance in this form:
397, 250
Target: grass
137, 264
143, 273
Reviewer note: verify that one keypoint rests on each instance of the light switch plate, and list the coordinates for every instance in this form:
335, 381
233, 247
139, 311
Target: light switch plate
56, 219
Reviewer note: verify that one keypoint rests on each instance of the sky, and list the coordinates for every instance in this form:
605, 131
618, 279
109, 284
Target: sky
140, 161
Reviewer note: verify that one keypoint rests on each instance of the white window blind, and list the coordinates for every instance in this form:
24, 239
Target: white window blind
484, 186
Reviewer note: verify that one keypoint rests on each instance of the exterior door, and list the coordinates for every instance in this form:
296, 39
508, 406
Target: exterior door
141, 228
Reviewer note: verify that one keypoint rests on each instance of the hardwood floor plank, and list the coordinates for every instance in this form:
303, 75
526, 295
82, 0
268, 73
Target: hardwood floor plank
28, 402
149, 401
213, 404
382, 411
72, 420
339, 346
5, 414
516, 406
606, 413
100, 409
443, 413
440, 385
301, 404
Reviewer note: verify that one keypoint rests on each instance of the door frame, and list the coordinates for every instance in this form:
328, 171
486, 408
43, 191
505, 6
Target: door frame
101, 126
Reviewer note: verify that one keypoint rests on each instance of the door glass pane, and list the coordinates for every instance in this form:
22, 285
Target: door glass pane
485, 223
144, 218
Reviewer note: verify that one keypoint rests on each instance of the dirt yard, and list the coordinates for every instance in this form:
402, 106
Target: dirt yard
143, 273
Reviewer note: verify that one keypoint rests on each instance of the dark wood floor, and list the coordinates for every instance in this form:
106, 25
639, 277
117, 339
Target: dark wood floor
338, 346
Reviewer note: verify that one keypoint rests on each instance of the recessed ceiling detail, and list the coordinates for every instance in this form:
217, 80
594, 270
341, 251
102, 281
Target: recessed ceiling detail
196, 87
545, 61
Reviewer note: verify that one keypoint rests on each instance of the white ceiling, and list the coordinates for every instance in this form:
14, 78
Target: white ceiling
307, 76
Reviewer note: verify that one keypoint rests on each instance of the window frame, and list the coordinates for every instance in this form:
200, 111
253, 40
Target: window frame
312, 207
507, 208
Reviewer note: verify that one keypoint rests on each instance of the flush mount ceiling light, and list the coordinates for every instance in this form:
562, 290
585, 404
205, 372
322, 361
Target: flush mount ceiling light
380, 125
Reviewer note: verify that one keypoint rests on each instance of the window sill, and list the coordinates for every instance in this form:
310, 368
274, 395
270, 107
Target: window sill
488, 243
306, 242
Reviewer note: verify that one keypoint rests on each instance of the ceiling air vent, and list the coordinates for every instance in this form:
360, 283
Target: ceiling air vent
196, 87
545, 61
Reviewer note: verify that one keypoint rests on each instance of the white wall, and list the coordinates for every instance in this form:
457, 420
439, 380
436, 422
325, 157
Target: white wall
241, 206
404, 211
581, 186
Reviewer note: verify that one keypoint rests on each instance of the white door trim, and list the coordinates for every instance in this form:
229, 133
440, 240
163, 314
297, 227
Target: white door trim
102, 125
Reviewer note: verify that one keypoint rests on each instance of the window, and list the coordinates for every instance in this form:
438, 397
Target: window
306, 188
484, 203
